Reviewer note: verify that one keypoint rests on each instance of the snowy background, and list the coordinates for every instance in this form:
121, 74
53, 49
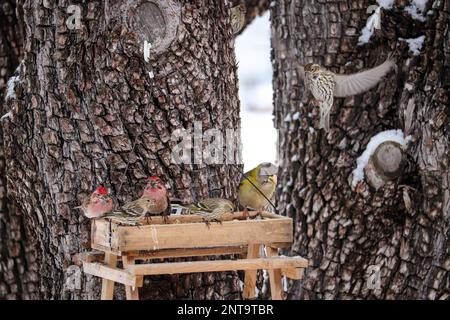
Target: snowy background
255, 92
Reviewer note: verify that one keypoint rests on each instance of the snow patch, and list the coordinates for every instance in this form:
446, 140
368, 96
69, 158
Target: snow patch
288, 118
241, 285
374, 21
417, 9
386, 4
296, 116
415, 44
7, 115
147, 47
395, 135
284, 280
10, 92
265, 281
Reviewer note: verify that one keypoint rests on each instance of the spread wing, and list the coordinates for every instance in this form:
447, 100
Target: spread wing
353, 84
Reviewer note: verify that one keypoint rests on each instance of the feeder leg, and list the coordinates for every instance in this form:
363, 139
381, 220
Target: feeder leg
274, 276
108, 285
131, 293
250, 275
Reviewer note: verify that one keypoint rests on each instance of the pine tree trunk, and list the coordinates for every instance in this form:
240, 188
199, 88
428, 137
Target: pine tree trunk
87, 110
403, 227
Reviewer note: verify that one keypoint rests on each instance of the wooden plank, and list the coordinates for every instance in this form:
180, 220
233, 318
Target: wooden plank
250, 275
97, 256
183, 252
103, 235
194, 218
279, 245
229, 233
110, 275
218, 265
107, 285
131, 292
295, 273
275, 276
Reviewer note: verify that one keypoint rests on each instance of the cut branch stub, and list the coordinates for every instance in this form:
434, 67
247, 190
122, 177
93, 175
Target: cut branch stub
386, 163
156, 22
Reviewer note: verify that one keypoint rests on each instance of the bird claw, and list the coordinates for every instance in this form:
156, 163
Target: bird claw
166, 219
245, 213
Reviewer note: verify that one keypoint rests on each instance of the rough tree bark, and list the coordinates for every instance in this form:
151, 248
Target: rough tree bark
341, 230
84, 96
11, 52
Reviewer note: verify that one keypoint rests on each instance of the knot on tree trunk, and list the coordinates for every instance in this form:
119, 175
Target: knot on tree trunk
157, 22
385, 164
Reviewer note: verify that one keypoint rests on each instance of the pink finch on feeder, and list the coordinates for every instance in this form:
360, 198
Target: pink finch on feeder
154, 201
97, 204
156, 191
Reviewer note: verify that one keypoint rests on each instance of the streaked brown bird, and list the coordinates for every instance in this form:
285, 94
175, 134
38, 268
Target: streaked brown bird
211, 209
131, 212
325, 85
238, 17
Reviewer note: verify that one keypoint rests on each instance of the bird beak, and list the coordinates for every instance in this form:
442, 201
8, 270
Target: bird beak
269, 171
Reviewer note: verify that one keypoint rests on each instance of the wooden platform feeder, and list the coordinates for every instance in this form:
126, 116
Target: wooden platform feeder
188, 236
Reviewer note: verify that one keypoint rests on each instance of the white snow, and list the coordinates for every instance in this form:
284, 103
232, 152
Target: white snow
147, 47
151, 74
417, 9
296, 116
395, 135
7, 115
265, 281
258, 135
386, 4
10, 93
285, 283
374, 21
288, 118
415, 44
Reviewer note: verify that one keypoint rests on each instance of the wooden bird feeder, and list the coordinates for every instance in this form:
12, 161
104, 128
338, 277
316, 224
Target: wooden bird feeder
188, 236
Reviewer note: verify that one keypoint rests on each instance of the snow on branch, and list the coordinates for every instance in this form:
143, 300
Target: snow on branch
6, 116
381, 137
417, 9
415, 44
374, 21
10, 92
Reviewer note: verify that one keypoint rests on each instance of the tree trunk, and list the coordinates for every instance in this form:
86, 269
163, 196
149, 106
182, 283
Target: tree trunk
400, 231
11, 52
90, 110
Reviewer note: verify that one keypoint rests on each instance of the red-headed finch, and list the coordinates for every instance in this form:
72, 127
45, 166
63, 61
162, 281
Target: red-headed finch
97, 204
